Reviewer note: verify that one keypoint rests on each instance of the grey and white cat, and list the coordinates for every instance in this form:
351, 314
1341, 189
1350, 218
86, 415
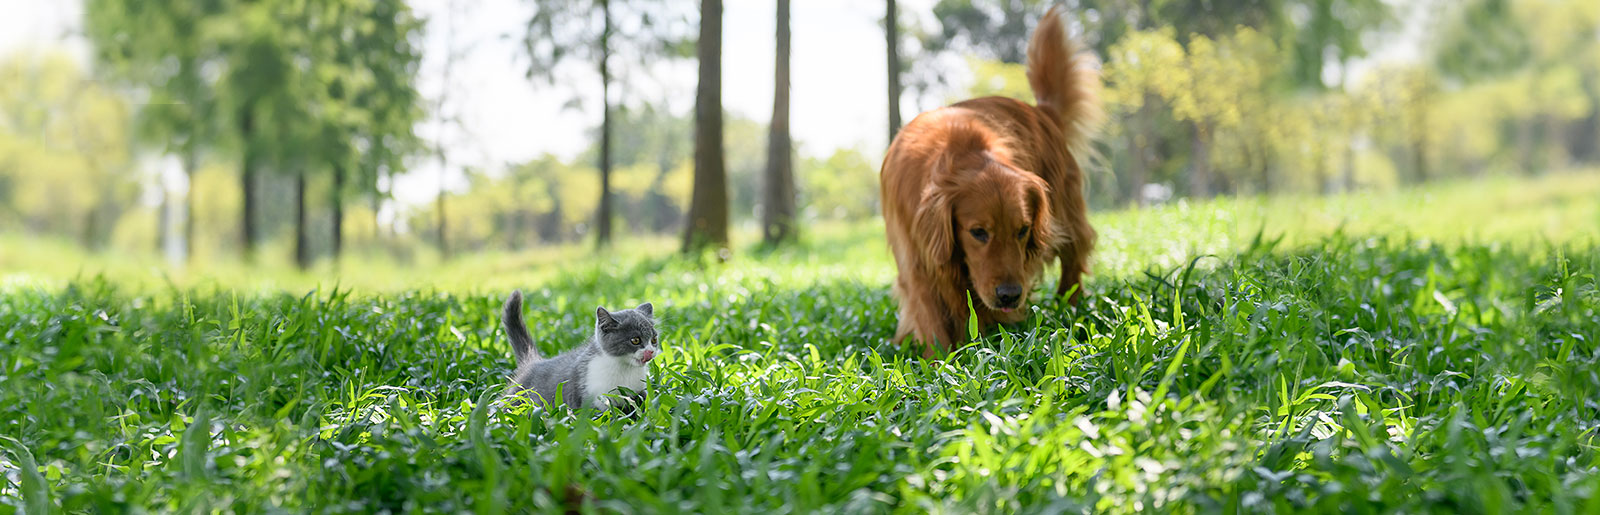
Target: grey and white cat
617, 355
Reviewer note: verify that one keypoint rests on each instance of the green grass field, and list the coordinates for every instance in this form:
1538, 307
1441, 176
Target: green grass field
1424, 351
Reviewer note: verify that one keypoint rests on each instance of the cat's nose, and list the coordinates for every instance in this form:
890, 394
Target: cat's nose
647, 355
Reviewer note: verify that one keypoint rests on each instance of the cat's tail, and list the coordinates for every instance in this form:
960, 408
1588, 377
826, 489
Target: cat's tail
521, 342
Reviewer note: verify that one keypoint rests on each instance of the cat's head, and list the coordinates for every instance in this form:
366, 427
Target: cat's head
628, 333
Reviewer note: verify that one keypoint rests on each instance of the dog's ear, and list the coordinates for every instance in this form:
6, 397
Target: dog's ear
933, 227
1045, 234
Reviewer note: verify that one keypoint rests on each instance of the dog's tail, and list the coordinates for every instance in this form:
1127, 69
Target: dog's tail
521, 342
1065, 80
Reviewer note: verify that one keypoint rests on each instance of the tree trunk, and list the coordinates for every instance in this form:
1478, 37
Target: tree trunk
780, 203
1199, 161
603, 214
338, 211
1263, 158
190, 166
1349, 165
1419, 159
1136, 171
1321, 155
1556, 156
891, 30
1419, 141
377, 224
302, 249
247, 185
164, 232
438, 204
1526, 143
708, 206
1138, 166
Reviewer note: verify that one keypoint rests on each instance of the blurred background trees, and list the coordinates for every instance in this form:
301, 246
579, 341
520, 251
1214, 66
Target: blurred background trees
208, 129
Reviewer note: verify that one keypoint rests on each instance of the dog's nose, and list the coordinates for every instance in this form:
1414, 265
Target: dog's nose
1008, 294
647, 355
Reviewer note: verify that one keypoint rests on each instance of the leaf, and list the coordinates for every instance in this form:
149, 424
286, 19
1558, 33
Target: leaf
972, 319
35, 491
194, 445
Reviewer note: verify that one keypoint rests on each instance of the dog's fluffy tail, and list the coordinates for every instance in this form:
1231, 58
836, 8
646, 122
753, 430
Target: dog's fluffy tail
521, 342
1066, 80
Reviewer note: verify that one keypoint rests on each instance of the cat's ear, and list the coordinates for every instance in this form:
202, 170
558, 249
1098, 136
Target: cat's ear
646, 308
603, 320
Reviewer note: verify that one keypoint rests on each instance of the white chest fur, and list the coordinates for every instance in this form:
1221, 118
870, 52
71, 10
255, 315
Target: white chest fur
606, 374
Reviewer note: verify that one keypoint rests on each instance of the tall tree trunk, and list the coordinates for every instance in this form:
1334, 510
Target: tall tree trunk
1419, 139
1136, 171
1349, 146
338, 211
438, 204
603, 214
164, 232
1321, 155
780, 203
891, 30
1526, 141
1138, 141
377, 223
1199, 161
190, 166
1349, 164
1419, 158
708, 206
302, 248
247, 185
1555, 138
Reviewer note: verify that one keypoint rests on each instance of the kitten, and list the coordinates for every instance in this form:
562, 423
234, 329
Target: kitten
617, 355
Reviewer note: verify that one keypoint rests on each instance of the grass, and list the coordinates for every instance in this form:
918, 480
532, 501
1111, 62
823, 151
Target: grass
1429, 351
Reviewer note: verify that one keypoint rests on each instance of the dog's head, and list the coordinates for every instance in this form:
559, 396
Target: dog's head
993, 219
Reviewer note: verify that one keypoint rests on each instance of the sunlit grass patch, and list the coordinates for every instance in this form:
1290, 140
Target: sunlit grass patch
1381, 368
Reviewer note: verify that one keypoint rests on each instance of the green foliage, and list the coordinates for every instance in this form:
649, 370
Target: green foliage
1337, 29
1450, 375
312, 89
997, 78
842, 187
66, 150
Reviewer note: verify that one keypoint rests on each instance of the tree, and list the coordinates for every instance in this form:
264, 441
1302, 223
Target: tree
441, 109
778, 213
891, 30
1216, 85
65, 149
1336, 29
708, 204
1137, 72
369, 97
586, 30
132, 40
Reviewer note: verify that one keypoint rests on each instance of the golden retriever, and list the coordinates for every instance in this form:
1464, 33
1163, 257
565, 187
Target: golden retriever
980, 195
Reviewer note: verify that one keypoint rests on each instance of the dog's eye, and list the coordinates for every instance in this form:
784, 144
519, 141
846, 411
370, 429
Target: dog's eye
1023, 234
635, 341
981, 235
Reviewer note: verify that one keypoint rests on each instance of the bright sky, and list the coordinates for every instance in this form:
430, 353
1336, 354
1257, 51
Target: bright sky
838, 83
837, 72
837, 75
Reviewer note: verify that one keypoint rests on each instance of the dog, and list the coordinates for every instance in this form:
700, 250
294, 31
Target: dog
979, 196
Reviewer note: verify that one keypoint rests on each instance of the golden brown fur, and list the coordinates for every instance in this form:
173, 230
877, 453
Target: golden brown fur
980, 195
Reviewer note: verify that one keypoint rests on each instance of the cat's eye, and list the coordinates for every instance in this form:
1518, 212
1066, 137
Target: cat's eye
636, 341
979, 234
1023, 234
